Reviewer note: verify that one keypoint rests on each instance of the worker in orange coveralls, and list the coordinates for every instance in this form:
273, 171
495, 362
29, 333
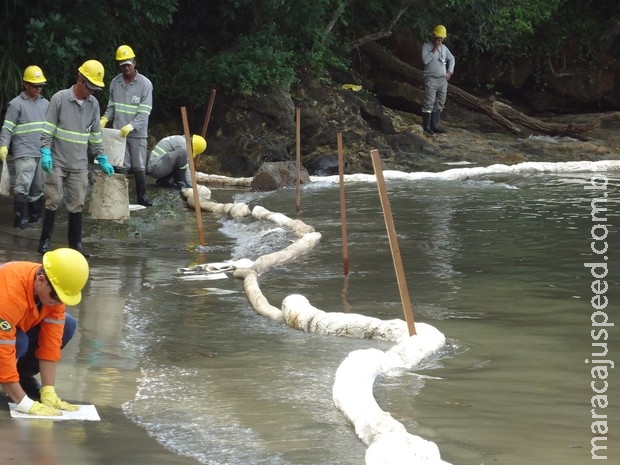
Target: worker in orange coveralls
34, 326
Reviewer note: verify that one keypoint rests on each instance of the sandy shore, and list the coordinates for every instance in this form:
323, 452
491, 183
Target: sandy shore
95, 370
113, 440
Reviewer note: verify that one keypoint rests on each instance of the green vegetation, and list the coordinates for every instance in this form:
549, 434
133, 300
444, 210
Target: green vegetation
187, 47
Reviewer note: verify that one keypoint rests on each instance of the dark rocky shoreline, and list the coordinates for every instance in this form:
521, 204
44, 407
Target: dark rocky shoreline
247, 132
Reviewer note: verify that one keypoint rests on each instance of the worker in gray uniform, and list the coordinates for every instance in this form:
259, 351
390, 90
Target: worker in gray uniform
129, 108
21, 131
168, 162
71, 137
438, 69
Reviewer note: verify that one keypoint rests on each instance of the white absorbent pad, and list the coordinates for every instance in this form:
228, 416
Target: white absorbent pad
86, 412
203, 277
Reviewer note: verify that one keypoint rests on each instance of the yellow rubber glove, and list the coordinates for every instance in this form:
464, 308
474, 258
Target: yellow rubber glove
27, 405
49, 398
125, 130
103, 121
45, 410
4, 151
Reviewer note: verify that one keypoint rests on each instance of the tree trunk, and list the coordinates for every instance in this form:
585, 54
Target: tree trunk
503, 114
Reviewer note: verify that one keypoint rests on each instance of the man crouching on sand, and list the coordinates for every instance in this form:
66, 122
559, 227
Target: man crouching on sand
34, 326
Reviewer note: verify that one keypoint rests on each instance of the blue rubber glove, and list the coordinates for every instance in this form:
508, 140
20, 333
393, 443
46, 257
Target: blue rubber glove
46, 159
103, 161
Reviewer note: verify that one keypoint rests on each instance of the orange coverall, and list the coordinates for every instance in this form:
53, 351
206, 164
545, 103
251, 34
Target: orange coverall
19, 310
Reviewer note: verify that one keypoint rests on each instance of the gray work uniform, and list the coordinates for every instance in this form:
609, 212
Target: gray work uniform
436, 66
22, 131
73, 134
131, 104
169, 154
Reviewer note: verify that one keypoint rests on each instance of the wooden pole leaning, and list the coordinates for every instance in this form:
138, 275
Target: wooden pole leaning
343, 208
205, 125
190, 159
298, 158
396, 258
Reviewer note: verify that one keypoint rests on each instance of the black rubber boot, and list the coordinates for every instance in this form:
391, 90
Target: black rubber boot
20, 202
28, 367
34, 210
179, 178
46, 232
164, 181
141, 188
435, 117
31, 387
74, 234
426, 124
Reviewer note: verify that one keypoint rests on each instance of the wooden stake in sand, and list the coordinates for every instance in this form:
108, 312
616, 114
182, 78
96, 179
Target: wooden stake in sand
205, 125
190, 159
343, 208
298, 164
389, 224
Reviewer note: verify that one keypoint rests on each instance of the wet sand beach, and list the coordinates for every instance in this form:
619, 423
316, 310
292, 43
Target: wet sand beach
95, 369
113, 440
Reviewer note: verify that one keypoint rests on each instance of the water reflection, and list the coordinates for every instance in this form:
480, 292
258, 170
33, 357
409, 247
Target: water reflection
497, 269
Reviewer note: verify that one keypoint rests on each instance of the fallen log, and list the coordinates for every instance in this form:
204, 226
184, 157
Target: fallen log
512, 120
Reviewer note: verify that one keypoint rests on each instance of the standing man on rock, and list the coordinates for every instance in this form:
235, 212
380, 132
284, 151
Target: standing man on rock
438, 69
22, 131
71, 137
129, 108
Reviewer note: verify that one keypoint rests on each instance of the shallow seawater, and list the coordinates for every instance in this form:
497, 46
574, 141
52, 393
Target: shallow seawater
494, 262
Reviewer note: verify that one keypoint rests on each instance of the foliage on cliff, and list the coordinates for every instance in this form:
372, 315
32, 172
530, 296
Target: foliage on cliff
245, 47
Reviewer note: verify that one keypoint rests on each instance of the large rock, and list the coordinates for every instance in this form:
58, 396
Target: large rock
252, 131
273, 176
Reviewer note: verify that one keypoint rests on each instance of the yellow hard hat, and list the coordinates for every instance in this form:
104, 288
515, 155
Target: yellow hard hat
440, 31
199, 144
67, 270
93, 71
34, 75
124, 52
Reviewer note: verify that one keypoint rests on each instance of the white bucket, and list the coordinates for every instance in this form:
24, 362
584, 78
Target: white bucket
110, 197
114, 146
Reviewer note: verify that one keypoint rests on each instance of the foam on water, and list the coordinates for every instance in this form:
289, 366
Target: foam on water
255, 238
462, 174
181, 424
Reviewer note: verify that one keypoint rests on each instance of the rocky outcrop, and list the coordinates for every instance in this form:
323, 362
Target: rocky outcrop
272, 176
247, 132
